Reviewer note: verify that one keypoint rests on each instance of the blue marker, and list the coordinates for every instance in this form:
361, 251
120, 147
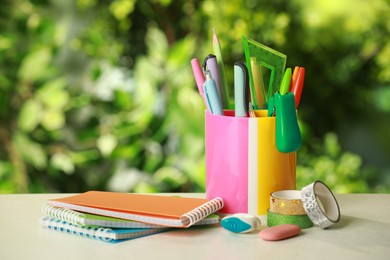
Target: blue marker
211, 95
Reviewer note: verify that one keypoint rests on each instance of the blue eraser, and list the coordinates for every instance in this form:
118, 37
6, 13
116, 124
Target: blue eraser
241, 223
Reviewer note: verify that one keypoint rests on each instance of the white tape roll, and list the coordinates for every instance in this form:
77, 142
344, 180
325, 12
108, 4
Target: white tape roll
320, 204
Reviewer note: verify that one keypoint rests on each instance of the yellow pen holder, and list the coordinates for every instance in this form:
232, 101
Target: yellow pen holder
243, 165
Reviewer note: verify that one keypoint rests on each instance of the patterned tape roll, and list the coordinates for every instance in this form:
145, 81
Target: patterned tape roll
274, 219
287, 202
320, 204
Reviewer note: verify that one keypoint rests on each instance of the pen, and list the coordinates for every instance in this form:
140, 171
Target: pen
218, 53
258, 84
297, 86
241, 89
294, 75
285, 86
210, 63
211, 95
288, 137
199, 77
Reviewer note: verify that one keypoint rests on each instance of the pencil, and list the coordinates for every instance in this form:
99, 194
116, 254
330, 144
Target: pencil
224, 88
258, 83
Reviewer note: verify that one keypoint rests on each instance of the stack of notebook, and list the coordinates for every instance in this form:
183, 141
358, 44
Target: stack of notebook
114, 217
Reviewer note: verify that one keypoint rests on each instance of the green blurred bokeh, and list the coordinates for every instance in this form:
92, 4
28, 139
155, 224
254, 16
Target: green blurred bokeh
100, 94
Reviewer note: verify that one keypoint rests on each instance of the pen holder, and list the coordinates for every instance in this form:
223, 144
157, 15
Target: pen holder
243, 165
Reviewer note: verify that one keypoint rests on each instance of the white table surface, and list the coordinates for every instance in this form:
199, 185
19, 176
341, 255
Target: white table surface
362, 233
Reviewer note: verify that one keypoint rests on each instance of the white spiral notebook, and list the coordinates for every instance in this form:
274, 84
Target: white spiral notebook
86, 219
99, 233
153, 209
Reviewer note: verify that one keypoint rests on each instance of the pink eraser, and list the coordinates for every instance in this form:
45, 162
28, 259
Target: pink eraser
280, 232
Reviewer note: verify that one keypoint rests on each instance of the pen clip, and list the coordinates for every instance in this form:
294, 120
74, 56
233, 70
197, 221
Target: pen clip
271, 107
251, 110
204, 65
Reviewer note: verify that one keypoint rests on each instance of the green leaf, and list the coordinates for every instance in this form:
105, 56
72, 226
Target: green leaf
125, 179
177, 54
5, 42
332, 146
53, 94
62, 162
30, 151
381, 98
145, 187
122, 8
157, 45
106, 144
171, 176
85, 4
5, 170
84, 157
35, 65
53, 120
30, 115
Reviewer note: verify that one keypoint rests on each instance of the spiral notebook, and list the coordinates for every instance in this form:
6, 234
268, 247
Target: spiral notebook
99, 233
153, 209
87, 219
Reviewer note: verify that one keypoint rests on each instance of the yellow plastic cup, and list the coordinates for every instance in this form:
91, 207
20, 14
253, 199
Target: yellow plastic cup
268, 169
243, 165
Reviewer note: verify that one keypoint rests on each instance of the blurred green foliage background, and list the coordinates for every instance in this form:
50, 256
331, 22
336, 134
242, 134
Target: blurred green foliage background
100, 94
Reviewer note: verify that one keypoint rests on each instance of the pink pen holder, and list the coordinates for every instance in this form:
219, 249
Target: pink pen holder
243, 165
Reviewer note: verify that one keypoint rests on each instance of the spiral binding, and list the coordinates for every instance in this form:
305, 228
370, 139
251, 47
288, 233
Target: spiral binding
98, 233
203, 211
67, 215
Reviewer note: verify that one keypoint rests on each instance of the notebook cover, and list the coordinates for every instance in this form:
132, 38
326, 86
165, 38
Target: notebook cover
155, 205
86, 219
96, 220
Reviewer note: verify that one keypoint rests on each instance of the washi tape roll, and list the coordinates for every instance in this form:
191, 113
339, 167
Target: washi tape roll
287, 202
320, 204
274, 219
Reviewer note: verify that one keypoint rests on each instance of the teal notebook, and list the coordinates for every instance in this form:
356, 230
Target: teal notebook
111, 235
86, 219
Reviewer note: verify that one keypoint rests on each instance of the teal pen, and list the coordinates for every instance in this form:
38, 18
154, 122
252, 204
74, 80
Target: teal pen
211, 95
241, 90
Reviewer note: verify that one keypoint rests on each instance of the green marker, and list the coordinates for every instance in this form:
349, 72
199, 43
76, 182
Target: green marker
285, 86
287, 136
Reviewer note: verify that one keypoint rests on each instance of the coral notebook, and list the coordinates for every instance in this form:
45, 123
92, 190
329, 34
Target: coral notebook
153, 209
87, 219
